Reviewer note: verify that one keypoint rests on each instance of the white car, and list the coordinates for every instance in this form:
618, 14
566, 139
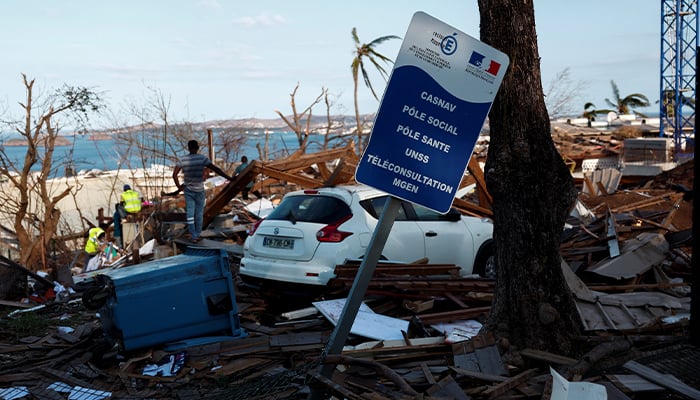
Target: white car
312, 231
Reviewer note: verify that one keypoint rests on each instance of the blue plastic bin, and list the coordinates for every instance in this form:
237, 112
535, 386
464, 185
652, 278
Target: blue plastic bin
172, 299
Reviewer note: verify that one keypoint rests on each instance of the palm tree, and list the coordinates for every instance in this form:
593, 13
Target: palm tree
589, 111
626, 104
362, 52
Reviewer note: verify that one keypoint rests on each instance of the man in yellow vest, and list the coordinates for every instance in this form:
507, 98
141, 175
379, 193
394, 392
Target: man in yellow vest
131, 200
94, 245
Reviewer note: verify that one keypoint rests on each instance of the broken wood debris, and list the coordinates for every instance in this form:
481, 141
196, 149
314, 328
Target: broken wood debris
284, 349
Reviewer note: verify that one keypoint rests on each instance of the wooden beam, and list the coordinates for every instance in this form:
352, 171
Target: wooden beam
511, 383
331, 179
302, 181
647, 202
230, 191
472, 209
306, 160
476, 171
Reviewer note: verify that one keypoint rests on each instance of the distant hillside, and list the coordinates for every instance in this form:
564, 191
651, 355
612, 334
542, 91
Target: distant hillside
249, 123
278, 123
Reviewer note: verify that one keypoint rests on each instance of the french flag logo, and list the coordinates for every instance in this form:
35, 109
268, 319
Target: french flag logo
477, 60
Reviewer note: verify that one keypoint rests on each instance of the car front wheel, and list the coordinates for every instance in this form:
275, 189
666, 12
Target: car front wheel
485, 264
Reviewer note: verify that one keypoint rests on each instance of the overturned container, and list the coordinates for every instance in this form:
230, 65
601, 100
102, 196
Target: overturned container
188, 296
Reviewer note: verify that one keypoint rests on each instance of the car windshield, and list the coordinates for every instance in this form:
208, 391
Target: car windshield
317, 209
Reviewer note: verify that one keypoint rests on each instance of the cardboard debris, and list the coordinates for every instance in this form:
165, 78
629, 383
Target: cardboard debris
367, 323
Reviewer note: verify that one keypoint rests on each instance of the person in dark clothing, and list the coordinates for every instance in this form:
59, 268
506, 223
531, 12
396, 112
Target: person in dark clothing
192, 166
246, 190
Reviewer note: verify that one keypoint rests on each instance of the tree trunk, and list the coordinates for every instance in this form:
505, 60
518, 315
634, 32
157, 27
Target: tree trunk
358, 120
532, 190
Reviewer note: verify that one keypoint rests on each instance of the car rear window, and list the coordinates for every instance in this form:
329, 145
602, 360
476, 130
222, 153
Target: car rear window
317, 209
375, 206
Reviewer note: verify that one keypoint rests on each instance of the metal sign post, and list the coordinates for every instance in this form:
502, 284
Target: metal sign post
440, 92
359, 286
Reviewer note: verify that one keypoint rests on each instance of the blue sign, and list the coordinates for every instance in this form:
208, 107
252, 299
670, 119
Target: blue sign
437, 99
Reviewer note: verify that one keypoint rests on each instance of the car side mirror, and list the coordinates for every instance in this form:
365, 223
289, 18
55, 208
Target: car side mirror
453, 215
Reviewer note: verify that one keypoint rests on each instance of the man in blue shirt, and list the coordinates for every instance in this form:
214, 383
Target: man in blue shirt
192, 166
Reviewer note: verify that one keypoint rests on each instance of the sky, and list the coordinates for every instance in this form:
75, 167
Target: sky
217, 59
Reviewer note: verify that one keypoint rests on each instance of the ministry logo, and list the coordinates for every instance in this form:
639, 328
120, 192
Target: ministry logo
477, 60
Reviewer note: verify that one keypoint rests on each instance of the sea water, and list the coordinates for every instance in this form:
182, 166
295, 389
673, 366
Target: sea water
84, 153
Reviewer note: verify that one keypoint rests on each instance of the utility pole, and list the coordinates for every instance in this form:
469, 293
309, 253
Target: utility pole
679, 44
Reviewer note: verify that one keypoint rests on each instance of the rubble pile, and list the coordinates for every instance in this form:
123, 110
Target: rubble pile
625, 253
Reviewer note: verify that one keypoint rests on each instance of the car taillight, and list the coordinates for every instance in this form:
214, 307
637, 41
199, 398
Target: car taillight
255, 227
331, 234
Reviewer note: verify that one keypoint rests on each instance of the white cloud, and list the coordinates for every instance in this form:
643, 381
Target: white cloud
260, 20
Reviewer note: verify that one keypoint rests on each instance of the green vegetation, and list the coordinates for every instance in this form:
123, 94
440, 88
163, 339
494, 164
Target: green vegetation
618, 104
627, 104
366, 51
26, 324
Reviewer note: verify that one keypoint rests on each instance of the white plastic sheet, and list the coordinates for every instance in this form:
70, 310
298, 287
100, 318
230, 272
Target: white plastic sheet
565, 390
367, 323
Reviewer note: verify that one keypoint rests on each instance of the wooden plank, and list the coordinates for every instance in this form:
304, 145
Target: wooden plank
428, 375
228, 192
589, 185
647, 202
323, 171
350, 270
669, 218
333, 178
298, 163
397, 352
469, 313
335, 388
302, 181
665, 380
418, 306
296, 314
547, 357
456, 300
238, 365
601, 188
15, 304
478, 375
485, 198
296, 339
509, 384
470, 208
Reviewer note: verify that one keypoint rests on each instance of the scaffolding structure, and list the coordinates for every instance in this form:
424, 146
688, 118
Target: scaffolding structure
679, 46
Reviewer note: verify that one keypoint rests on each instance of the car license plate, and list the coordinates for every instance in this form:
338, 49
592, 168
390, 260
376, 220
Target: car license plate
278, 243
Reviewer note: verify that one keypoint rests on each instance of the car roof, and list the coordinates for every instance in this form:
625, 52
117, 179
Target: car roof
345, 192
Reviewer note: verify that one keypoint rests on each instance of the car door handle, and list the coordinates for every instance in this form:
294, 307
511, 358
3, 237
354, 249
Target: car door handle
430, 234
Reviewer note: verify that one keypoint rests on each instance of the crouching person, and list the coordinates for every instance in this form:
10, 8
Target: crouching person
94, 247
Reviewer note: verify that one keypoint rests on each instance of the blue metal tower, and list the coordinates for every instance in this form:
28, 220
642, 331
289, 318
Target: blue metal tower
679, 43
